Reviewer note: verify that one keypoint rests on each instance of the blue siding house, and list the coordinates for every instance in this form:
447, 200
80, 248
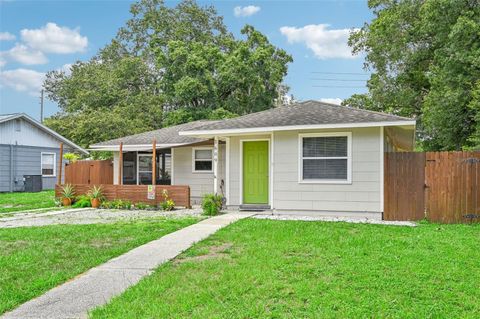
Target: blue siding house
28, 147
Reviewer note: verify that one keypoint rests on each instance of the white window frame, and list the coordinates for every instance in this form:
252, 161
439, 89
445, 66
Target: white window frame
325, 181
194, 160
54, 164
138, 165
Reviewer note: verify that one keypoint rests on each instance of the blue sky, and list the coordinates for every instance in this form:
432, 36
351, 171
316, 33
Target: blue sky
38, 36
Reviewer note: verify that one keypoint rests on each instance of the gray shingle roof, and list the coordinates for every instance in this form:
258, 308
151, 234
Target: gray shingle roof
302, 113
167, 135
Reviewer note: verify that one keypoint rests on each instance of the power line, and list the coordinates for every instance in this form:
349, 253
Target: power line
341, 80
339, 86
344, 73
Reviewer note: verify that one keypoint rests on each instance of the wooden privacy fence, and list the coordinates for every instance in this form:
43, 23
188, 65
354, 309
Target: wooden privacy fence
440, 186
180, 194
89, 172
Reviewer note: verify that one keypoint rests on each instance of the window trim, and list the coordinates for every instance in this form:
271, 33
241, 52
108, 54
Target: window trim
54, 164
325, 181
202, 160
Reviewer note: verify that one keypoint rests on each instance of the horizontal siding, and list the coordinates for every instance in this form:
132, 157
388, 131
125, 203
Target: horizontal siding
200, 183
27, 161
29, 135
362, 195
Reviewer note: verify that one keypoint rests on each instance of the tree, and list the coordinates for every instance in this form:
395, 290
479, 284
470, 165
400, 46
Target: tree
424, 58
166, 66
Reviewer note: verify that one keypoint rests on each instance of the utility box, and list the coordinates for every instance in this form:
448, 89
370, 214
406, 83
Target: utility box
33, 183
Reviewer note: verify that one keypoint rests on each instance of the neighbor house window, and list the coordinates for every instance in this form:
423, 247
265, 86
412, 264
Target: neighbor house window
48, 164
202, 159
325, 158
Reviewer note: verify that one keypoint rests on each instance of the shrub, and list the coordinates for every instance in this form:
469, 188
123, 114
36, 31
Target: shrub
71, 157
212, 204
68, 191
168, 203
96, 192
141, 206
116, 204
82, 202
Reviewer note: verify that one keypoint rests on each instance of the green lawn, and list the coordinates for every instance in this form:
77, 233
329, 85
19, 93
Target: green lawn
287, 269
14, 202
36, 259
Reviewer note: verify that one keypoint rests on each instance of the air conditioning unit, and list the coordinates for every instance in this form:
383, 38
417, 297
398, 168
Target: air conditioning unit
33, 183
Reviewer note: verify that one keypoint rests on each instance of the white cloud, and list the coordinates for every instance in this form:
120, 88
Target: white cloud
245, 11
332, 100
25, 55
67, 68
324, 43
54, 39
6, 36
23, 80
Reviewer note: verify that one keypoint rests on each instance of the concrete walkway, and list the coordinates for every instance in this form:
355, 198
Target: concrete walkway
97, 286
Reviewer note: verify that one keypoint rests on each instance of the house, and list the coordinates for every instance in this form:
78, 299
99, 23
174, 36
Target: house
29, 148
307, 158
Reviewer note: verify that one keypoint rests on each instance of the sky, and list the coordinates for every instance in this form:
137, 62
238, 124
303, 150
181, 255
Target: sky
39, 36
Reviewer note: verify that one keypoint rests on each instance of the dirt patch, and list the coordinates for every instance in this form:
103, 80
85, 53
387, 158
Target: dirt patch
213, 252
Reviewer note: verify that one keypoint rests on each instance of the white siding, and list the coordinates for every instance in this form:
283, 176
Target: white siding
362, 195
200, 183
29, 135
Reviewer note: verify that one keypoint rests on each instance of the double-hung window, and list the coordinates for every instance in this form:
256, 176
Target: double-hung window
48, 164
202, 160
325, 158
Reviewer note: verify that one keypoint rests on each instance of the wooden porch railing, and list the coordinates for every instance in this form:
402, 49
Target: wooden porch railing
180, 194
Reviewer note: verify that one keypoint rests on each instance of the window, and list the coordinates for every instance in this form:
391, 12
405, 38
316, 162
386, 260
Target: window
325, 158
48, 164
202, 160
144, 171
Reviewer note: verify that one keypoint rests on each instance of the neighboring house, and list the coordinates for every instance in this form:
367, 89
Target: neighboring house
28, 147
308, 158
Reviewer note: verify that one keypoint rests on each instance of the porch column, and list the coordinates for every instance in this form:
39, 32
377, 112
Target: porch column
60, 166
120, 164
215, 165
154, 162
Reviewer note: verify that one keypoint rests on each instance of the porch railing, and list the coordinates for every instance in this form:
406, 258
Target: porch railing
180, 194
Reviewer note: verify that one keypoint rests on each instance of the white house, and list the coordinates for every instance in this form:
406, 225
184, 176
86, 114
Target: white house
306, 158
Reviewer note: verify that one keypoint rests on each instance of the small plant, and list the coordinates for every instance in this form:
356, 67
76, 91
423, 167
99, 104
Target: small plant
82, 202
141, 206
71, 157
168, 203
68, 194
212, 204
106, 205
96, 196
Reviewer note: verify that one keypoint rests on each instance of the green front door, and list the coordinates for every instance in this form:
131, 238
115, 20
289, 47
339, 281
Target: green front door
255, 172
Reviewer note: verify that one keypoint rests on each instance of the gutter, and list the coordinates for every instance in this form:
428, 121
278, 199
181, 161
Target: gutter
263, 130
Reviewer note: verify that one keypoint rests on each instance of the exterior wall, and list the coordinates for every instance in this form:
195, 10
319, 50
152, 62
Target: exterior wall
26, 161
235, 167
200, 183
28, 135
362, 195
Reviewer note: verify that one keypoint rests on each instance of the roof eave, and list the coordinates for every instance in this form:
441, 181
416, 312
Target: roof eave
45, 128
256, 130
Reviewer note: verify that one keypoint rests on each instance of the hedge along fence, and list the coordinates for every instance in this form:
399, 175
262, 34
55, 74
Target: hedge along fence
180, 194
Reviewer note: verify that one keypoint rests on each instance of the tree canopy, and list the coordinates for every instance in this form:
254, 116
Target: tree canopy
425, 62
166, 66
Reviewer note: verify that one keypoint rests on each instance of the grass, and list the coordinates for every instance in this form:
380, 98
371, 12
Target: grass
36, 259
291, 269
14, 202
